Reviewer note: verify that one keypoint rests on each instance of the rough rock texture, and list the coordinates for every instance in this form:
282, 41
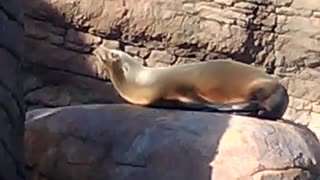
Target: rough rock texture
282, 36
129, 142
11, 96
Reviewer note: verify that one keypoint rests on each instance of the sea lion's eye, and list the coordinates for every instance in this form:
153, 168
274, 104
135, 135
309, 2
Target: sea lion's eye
114, 56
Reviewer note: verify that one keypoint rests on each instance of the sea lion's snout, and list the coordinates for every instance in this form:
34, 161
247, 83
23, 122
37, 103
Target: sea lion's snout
107, 55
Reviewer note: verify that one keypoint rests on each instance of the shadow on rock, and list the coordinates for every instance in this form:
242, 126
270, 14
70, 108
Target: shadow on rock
122, 142
59, 69
129, 142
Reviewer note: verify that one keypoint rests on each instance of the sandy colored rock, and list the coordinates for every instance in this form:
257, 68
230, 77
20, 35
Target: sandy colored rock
298, 42
131, 142
160, 58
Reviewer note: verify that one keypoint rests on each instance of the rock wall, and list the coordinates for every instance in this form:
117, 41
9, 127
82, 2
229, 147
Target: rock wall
281, 36
12, 109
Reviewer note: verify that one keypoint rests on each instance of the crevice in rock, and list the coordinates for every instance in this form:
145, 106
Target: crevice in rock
38, 65
25, 93
17, 163
78, 163
10, 16
130, 164
11, 52
7, 112
309, 169
33, 169
15, 99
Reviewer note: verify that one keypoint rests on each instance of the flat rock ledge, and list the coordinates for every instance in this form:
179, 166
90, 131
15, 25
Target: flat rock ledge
125, 142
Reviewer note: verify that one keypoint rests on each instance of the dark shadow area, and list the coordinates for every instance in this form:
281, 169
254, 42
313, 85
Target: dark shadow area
12, 109
59, 67
122, 142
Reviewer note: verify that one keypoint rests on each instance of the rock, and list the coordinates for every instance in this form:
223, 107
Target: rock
12, 107
160, 58
132, 50
310, 4
56, 40
111, 44
81, 38
298, 42
313, 63
65, 89
144, 52
48, 55
132, 142
314, 124
184, 60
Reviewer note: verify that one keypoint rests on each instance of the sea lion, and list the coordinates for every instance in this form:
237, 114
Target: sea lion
214, 85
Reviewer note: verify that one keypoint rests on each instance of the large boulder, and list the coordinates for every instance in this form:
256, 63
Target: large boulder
12, 109
125, 142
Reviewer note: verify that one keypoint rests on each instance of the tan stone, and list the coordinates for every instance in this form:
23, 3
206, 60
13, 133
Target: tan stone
241, 10
286, 11
144, 52
184, 60
300, 104
289, 11
315, 117
304, 89
132, 50
245, 5
303, 4
314, 124
289, 114
284, 2
111, 44
302, 117
160, 58
270, 20
215, 14
316, 14
226, 2
316, 107
298, 38
309, 74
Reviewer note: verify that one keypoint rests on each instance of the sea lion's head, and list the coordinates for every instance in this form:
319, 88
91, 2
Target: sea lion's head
107, 56
115, 61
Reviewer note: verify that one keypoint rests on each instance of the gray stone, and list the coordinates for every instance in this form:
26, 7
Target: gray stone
87, 142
